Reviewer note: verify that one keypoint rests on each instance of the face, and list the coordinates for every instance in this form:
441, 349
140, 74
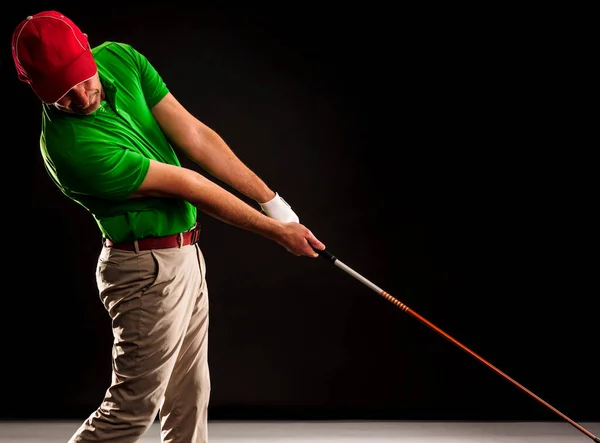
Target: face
83, 98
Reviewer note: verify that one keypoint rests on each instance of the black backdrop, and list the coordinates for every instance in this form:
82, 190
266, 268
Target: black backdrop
417, 145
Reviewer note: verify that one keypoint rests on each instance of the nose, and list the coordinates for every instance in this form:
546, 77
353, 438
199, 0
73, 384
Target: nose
79, 97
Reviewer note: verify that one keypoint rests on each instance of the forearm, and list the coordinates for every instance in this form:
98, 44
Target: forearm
223, 205
207, 149
213, 155
167, 181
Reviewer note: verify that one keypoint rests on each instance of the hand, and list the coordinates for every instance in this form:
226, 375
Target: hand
299, 240
279, 209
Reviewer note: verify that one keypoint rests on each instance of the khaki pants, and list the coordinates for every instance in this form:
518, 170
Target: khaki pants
158, 303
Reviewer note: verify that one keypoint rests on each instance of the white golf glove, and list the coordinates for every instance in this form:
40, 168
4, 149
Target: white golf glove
279, 209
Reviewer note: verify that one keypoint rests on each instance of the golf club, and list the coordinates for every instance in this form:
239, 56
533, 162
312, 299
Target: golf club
334, 260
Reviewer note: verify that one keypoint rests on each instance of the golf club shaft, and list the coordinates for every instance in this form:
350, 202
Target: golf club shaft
334, 260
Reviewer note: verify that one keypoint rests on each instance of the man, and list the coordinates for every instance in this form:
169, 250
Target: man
109, 126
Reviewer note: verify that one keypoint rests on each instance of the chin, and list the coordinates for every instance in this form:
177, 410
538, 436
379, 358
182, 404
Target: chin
89, 110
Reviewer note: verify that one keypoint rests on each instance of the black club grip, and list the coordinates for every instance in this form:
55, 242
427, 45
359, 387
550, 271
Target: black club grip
326, 255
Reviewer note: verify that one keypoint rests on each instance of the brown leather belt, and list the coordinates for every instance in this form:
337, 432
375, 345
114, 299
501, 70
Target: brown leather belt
168, 241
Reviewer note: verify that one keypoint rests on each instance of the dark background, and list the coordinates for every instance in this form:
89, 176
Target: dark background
427, 148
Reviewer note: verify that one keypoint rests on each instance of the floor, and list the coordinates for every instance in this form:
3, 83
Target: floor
337, 432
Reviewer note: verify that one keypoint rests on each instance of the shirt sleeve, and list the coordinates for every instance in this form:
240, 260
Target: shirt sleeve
153, 86
99, 170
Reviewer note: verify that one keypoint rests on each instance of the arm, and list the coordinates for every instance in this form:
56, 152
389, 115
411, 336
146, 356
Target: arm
168, 181
207, 149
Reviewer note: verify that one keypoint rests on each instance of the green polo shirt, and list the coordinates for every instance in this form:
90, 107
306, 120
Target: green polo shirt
98, 160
